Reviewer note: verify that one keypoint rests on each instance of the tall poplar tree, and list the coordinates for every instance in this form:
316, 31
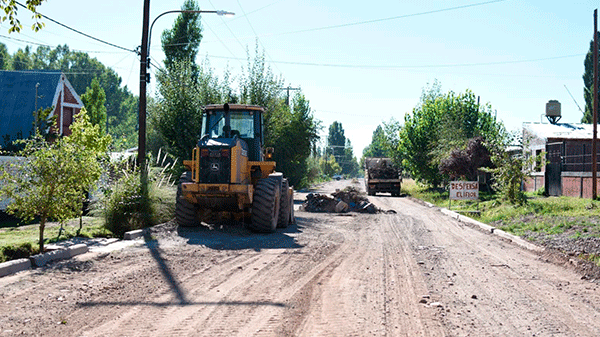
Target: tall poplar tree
94, 100
181, 43
588, 88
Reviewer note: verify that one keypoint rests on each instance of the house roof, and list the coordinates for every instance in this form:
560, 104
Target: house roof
560, 130
18, 103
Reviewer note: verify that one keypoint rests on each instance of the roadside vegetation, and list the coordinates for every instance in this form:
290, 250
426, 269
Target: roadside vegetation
451, 136
566, 224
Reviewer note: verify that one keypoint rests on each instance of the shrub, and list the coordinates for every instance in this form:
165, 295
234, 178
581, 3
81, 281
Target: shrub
127, 207
17, 251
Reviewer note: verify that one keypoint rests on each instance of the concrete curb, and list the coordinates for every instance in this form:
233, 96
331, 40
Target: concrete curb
79, 249
493, 230
14, 266
132, 235
40, 260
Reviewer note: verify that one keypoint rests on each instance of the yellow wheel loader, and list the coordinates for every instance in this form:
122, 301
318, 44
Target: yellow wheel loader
232, 175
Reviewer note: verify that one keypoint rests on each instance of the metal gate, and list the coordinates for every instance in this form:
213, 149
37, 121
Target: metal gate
554, 155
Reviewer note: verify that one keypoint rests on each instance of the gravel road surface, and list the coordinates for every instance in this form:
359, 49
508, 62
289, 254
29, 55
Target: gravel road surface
414, 273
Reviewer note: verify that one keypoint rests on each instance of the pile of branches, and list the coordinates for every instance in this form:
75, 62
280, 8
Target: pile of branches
382, 169
348, 200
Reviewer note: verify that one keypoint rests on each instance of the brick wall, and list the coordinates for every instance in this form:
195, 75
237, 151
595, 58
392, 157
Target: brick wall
579, 185
533, 183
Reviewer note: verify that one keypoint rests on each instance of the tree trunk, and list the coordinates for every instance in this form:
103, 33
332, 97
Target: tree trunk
42, 226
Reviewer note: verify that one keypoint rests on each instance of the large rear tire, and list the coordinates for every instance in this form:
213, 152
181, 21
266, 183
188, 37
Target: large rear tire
265, 205
284, 205
186, 213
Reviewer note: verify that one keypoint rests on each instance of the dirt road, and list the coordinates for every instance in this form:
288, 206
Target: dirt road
414, 273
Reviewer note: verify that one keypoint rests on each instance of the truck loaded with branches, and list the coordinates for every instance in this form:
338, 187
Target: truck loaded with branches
381, 175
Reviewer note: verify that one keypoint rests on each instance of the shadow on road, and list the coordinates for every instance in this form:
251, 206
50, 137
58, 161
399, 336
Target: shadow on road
180, 295
175, 303
232, 235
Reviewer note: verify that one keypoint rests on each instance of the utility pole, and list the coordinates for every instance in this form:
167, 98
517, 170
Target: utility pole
37, 85
595, 108
142, 107
287, 100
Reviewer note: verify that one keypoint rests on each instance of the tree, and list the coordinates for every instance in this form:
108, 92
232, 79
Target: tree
21, 60
329, 166
295, 141
259, 86
377, 147
93, 100
341, 149
51, 179
439, 125
384, 142
9, 7
465, 163
392, 130
178, 115
4, 57
181, 43
588, 84
509, 171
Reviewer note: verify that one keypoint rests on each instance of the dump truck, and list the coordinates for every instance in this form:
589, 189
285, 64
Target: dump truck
381, 175
232, 175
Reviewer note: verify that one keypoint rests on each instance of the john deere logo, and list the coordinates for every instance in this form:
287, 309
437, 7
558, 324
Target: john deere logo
214, 166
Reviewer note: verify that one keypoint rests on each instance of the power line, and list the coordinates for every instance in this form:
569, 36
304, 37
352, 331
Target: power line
455, 65
385, 19
51, 46
252, 12
256, 35
57, 70
79, 32
230, 31
224, 45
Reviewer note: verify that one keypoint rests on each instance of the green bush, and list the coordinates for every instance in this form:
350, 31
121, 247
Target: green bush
17, 251
127, 207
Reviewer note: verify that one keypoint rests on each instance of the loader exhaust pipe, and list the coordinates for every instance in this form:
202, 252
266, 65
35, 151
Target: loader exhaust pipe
227, 127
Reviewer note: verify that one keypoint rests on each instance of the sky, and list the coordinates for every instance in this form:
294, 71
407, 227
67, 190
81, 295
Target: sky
358, 65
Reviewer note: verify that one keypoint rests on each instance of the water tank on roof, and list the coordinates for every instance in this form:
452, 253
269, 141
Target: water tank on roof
553, 111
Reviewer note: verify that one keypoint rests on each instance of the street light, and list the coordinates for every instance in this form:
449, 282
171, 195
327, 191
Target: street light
218, 12
144, 64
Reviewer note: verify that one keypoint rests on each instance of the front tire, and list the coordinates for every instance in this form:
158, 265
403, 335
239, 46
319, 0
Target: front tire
186, 213
265, 205
284, 205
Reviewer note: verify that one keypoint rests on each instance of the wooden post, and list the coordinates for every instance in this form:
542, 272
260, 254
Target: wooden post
142, 106
595, 107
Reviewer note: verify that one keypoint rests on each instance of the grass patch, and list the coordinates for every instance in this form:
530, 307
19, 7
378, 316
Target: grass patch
595, 258
548, 215
25, 238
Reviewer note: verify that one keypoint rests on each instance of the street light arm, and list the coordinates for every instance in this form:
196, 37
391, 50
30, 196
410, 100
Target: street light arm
218, 12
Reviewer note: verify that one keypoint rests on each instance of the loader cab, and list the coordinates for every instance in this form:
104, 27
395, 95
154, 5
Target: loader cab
225, 122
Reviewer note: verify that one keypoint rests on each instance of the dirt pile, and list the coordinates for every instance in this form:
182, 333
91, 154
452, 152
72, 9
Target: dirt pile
349, 199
